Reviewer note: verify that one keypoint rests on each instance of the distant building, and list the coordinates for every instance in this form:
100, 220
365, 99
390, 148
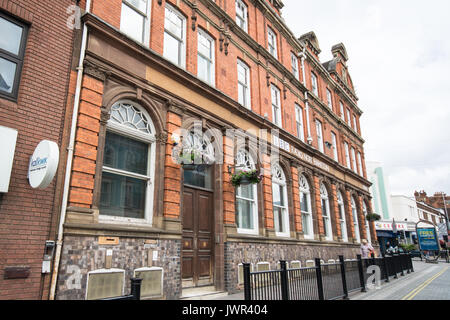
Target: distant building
379, 190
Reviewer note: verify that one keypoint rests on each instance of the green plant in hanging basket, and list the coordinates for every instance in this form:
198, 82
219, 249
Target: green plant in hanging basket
373, 217
246, 177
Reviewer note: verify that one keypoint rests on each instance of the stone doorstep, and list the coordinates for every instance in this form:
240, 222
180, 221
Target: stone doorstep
202, 293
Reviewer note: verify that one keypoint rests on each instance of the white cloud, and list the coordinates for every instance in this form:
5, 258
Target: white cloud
399, 61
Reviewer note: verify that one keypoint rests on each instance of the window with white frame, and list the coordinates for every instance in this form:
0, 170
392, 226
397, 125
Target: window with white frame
360, 164
294, 62
342, 220
134, 19
355, 126
326, 215
242, 15
305, 207
280, 201
272, 42
246, 197
347, 155
314, 87
349, 119
206, 60
364, 208
128, 164
243, 72
355, 220
276, 105
353, 160
319, 135
341, 109
174, 36
329, 99
299, 122
334, 146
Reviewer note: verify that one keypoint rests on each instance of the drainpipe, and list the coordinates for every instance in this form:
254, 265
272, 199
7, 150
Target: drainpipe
70, 148
302, 58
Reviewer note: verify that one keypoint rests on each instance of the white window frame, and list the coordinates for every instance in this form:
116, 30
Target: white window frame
294, 62
299, 122
364, 208
329, 99
244, 161
276, 105
242, 22
210, 60
334, 146
314, 85
272, 42
349, 118
360, 164
347, 155
354, 160
247, 96
279, 179
327, 218
355, 126
343, 220
355, 219
145, 39
150, 139
182, 58
307, 215
319, 131
341, 109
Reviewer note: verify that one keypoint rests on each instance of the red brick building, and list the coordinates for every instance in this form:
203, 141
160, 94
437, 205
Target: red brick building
248, 93
36, 49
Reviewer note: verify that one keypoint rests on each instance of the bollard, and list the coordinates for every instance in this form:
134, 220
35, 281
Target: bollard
344, 279
247, 289
284, 281
136, 288
361, 273
319, 279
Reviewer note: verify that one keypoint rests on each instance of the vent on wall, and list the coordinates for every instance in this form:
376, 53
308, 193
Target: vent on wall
105, 283
152, 281
241, 272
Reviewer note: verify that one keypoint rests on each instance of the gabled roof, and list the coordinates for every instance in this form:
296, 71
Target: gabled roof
340, 49
311, 38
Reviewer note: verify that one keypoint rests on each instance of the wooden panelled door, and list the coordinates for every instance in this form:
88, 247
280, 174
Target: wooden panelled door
197, 262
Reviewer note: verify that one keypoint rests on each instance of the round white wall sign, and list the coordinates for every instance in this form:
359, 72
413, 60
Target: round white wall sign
43, 164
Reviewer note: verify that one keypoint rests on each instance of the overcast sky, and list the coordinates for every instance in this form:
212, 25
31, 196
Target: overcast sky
399, 62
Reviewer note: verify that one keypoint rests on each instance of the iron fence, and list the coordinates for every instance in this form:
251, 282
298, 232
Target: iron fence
324, 281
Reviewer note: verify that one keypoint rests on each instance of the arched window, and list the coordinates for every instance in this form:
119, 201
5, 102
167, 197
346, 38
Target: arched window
305, 208
326, 212
246, 197
364, 207
280, 202
128, 165
341, 209
196, 144
355, 220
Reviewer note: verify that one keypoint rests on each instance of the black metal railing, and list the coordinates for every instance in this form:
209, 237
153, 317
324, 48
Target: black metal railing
324, 281
135, 293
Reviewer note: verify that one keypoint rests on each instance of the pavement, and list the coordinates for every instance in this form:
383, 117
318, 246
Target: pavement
428, 282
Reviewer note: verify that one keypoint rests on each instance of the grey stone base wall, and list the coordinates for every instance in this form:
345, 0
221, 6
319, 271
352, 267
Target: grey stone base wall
81, 255
237, 252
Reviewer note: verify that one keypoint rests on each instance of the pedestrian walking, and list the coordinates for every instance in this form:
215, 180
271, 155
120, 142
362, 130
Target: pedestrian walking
366, 249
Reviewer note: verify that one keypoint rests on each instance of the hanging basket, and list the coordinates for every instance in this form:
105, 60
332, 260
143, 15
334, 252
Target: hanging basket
246, 178
373, 217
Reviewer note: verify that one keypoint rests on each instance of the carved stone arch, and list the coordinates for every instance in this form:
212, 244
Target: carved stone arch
286, 167
120, 92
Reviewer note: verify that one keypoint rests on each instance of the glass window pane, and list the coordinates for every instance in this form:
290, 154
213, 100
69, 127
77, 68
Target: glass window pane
245, 214
7, 75
245, 191
132, 23
204, 46
174, 23
203, 69
11, 36
125, 154
122, 196
304, 202
277, 192
200, 177
140, 5
172, 49
305, 224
